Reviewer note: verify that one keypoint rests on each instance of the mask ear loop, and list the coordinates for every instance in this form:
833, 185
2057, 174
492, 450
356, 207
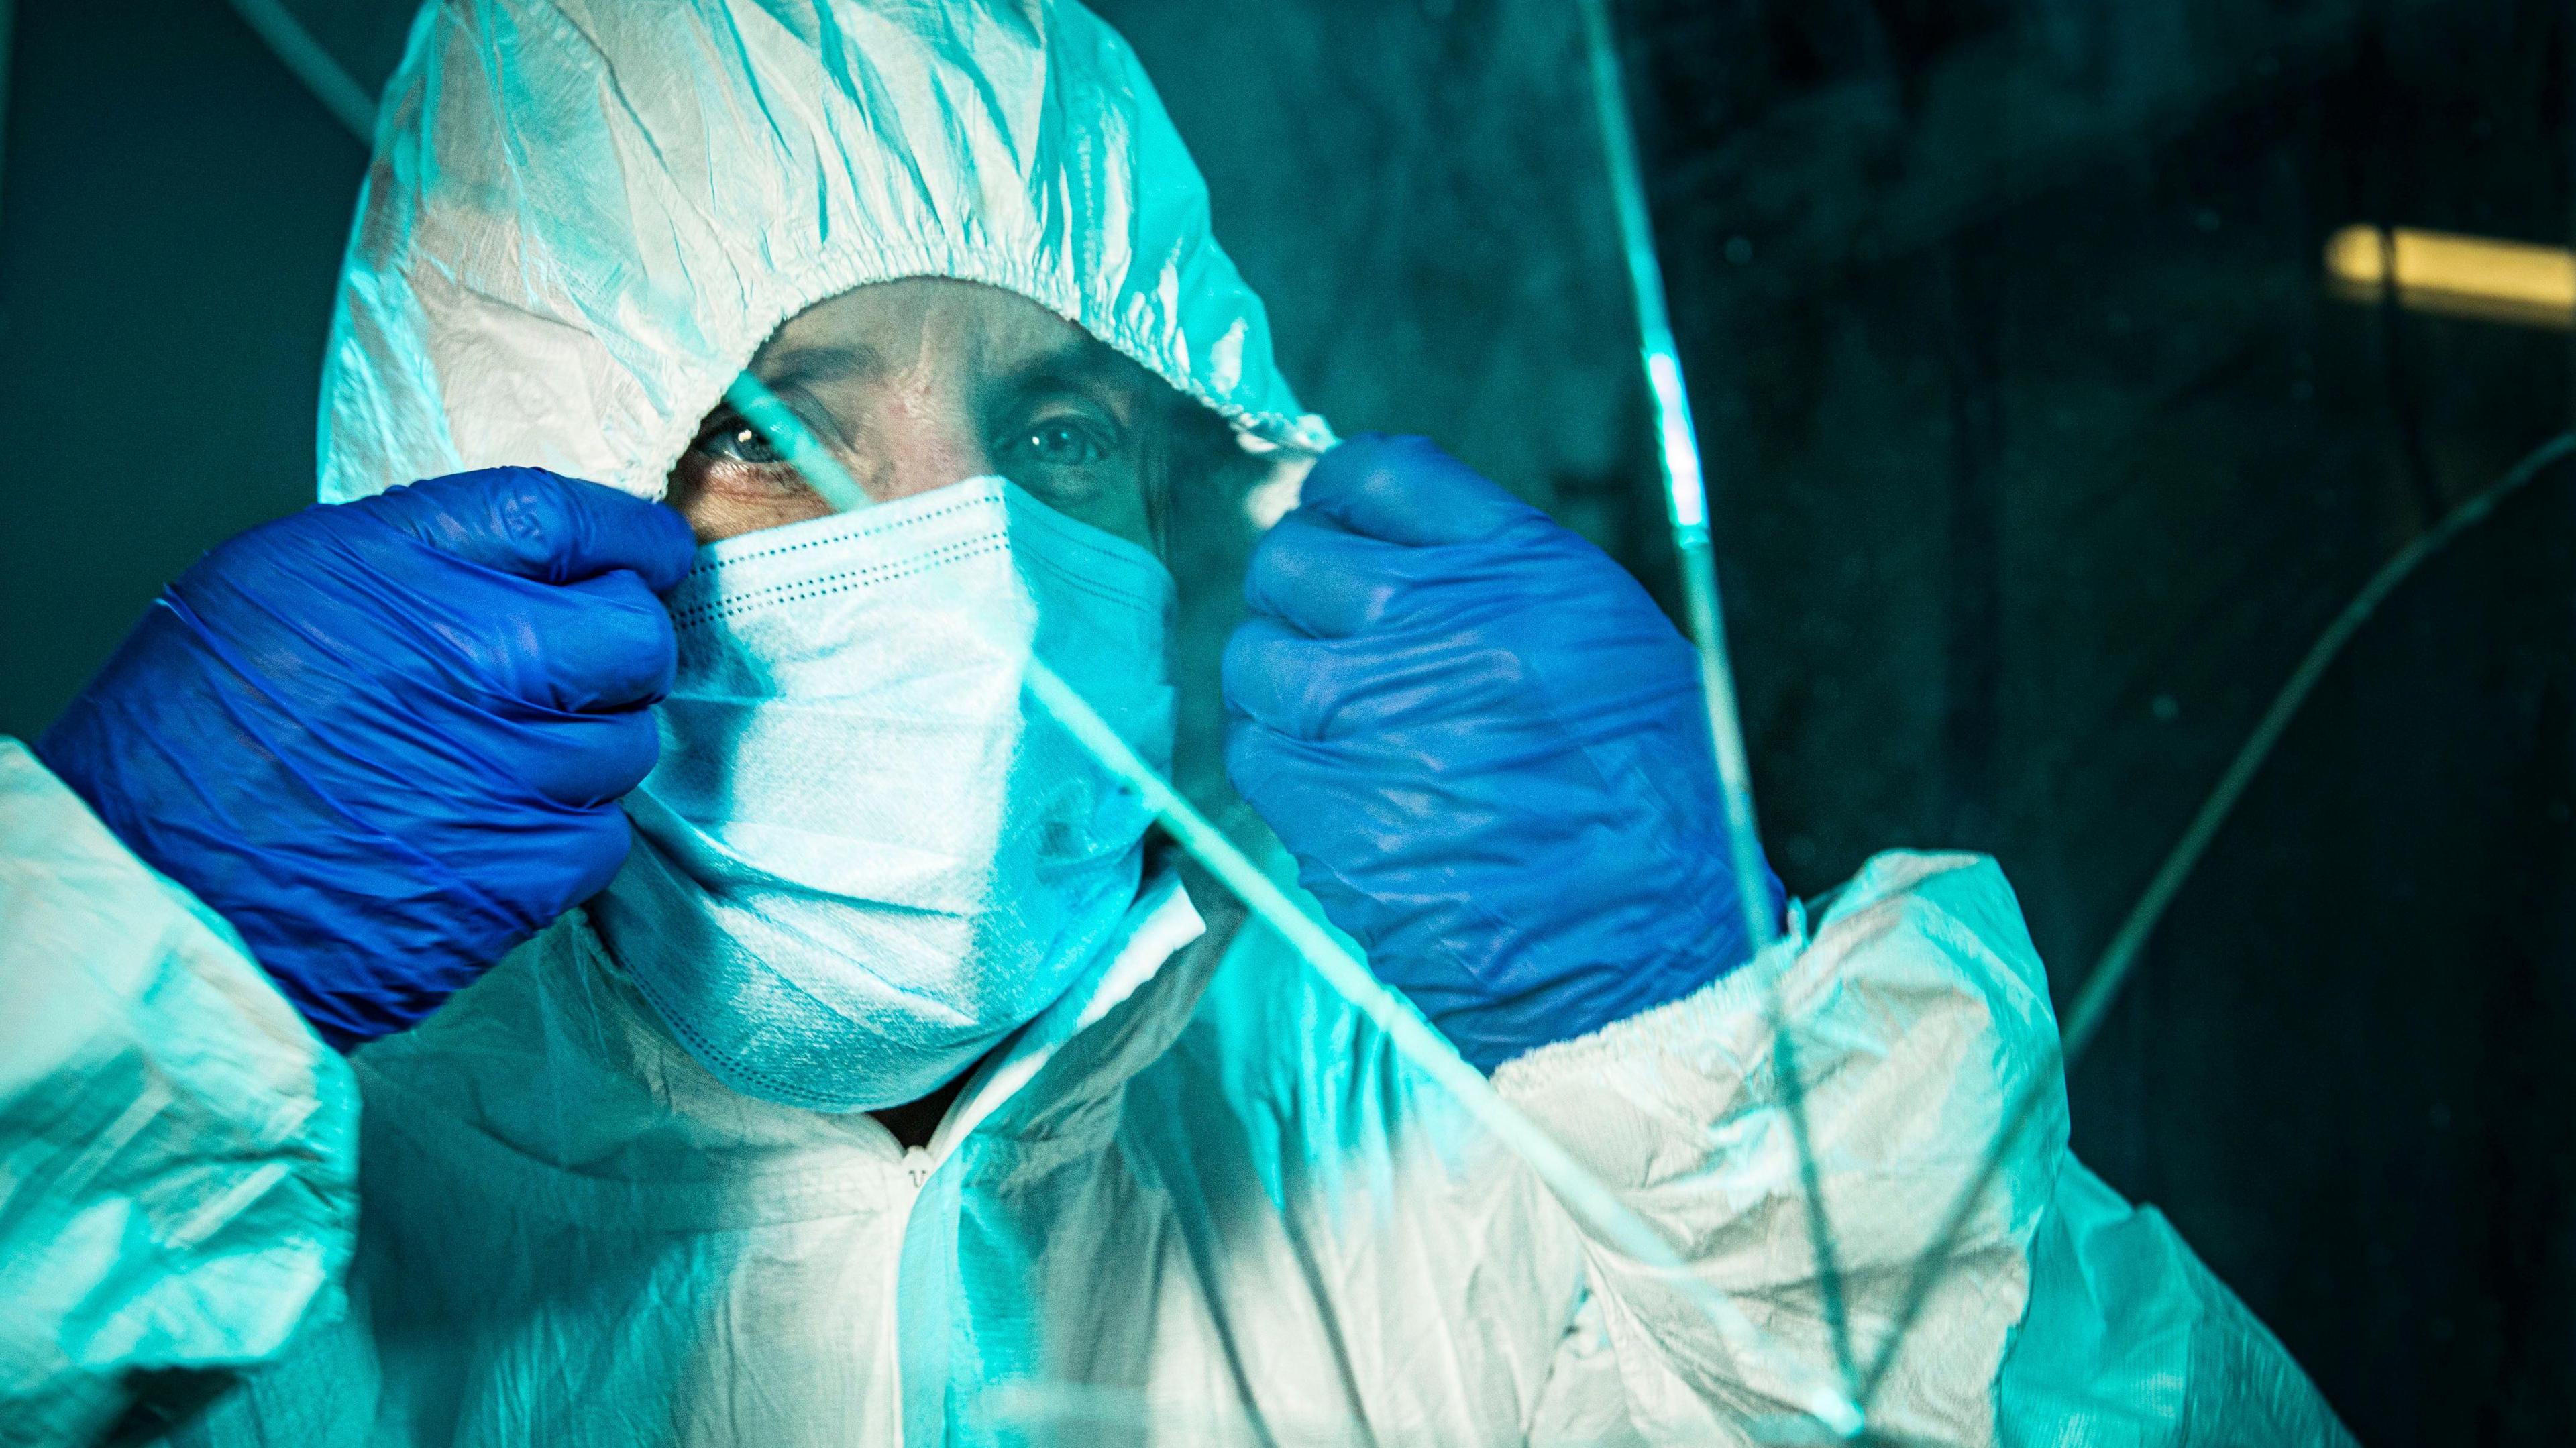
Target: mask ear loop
1416, 1041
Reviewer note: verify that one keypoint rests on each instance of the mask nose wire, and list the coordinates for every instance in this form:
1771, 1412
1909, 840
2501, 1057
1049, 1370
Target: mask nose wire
1343, 971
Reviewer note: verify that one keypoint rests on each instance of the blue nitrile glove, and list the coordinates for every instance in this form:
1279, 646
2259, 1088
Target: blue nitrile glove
1486, 748
386, 739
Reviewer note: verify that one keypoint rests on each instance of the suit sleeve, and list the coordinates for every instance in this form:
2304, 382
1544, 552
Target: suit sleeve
178, 1183
1915, 1026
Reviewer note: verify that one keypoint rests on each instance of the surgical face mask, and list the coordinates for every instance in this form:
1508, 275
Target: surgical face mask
866, 854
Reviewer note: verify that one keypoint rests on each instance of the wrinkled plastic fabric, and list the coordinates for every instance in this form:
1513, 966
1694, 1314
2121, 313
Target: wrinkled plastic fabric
2130, 1342
177, 1152
585, 215
1486, 747
1198, 1200
1202, 1200
386, 740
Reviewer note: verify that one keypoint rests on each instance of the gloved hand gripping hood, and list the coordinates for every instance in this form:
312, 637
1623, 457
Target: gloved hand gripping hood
584, 216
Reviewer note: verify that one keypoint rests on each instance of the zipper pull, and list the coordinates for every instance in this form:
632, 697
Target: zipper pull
916, 1164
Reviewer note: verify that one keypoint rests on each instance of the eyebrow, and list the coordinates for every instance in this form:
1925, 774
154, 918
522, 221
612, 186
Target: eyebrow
1082, 362
1079, 357
802, 366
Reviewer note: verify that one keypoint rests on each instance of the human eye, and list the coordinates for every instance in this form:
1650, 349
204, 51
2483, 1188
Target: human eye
1061, 439
1079, 454
727, 438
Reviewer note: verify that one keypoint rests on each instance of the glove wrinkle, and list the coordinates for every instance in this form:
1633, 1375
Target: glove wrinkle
1485, 746
381, 739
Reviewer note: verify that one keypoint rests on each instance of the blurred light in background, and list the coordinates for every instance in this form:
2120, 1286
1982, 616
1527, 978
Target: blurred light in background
2459, 276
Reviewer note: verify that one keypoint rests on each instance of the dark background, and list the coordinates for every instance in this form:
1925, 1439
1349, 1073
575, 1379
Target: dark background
2040, 454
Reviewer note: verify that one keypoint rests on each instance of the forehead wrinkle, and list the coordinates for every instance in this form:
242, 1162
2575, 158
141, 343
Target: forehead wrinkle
998, 349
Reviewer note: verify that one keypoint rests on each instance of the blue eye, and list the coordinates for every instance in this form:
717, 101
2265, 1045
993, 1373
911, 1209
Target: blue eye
1063, 442
735, 441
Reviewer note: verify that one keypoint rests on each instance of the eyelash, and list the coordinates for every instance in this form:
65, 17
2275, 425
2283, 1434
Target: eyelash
1101, 440
729, 431
728, 438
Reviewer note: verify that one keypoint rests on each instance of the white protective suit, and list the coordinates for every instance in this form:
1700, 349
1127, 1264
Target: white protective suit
1200, 1199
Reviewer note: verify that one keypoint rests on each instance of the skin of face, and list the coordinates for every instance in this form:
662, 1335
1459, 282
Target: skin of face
920, 383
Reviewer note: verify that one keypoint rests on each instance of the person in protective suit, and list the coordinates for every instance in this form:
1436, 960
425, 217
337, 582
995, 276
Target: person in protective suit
497, 959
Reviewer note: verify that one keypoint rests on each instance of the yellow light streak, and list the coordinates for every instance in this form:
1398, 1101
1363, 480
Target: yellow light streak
2459, 276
